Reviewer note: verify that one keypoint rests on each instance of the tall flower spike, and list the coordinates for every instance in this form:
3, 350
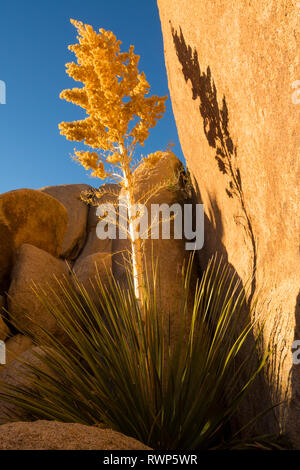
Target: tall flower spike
120, 113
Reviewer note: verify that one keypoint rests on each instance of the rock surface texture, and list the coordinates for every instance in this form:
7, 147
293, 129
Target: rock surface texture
94, 244
34, 267
4, 330
17, 374
69, 196
15, 346
29, 216
52, 435
231, 66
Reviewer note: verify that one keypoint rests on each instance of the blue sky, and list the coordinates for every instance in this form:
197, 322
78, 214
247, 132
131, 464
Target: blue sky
34, 36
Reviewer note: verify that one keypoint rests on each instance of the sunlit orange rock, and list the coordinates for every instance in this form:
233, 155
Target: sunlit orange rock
231, 66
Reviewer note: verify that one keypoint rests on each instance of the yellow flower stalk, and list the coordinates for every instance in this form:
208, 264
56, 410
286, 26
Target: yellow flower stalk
120, 113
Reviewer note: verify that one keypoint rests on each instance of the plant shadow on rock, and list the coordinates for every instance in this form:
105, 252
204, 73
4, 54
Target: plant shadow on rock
216, 130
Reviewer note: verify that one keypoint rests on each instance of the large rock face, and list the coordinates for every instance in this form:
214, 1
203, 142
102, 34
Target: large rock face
93, 244
86, 270
51, 435
70, 196
29, 216
17, 374
34, 267
231, 66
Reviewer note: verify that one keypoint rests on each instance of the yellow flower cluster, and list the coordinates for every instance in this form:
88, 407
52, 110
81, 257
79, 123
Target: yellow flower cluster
113, 158
113, 95
153, 158
90, 161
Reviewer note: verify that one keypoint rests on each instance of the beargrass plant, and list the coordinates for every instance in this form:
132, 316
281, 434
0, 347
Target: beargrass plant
117, 367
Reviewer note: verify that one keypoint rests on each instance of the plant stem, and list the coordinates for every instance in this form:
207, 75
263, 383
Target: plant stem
136, 248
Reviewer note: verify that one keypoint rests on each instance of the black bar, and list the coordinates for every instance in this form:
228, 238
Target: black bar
137, 459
